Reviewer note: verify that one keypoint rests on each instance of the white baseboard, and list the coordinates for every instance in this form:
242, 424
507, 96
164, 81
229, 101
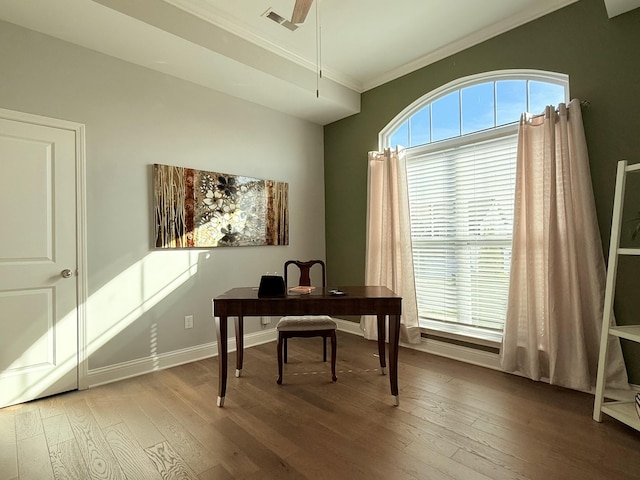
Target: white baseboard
140, 366
436, 347
349, 327
458, 352
133, 368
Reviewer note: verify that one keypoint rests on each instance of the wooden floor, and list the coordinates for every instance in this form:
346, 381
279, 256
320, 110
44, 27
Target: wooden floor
454, 421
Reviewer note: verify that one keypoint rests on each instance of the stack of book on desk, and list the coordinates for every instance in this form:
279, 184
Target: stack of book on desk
302, 289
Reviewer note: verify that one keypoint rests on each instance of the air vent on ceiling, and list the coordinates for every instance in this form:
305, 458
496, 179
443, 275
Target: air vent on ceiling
271, 15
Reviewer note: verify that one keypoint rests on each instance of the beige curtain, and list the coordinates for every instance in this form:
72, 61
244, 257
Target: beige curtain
389, 258
556, 294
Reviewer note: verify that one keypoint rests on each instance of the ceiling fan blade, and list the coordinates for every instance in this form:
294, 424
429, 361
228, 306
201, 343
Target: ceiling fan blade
300, 11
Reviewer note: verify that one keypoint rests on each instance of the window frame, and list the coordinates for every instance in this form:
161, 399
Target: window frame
463, 332
384, 137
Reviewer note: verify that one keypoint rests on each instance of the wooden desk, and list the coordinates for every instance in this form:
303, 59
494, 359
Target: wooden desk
244, 302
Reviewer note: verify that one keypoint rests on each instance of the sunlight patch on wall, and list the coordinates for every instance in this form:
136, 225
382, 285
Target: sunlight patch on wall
112, 308
135, 291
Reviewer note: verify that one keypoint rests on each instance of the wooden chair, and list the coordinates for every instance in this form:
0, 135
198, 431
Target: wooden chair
306, 325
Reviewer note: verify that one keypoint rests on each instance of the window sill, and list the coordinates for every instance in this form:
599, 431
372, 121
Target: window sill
462, 333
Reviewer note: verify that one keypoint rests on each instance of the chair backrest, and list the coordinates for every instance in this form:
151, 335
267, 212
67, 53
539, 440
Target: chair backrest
305, 268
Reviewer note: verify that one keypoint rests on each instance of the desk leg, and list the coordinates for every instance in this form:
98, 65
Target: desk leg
239, 344
381, 347
221, 332
394, 340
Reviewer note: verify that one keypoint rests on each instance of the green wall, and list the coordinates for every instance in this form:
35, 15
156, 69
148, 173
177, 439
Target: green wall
601, 57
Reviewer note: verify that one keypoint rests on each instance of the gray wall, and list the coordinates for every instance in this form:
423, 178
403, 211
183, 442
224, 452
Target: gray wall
601, 57
135, 117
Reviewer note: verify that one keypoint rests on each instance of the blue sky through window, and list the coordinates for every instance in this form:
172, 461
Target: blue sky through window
512, 100
476, 108
446, 116
401, 136
542, 94
421, 126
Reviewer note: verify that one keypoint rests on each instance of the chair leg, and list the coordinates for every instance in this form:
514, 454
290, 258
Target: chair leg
279, 347
324, 349
334, 348
286, 355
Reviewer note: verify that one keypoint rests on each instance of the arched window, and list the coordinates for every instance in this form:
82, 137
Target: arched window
461, 144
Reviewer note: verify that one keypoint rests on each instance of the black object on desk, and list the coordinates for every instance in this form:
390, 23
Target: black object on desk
271, 286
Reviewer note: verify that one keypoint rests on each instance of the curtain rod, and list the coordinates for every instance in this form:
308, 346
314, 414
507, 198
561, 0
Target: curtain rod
583, 104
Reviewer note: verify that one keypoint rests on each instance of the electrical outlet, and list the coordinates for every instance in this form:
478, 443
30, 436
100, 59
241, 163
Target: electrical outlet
188, 321
265, 320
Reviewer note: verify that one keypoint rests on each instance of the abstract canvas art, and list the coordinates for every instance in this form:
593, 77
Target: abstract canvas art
200, 209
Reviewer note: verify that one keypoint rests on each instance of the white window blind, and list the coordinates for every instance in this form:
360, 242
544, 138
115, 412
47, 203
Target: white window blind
461, 204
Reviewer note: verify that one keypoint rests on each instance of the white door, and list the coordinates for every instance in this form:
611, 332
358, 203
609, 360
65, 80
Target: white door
38, 294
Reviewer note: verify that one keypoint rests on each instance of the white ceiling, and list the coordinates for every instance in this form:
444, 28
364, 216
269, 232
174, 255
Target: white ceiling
618, 7
229, 45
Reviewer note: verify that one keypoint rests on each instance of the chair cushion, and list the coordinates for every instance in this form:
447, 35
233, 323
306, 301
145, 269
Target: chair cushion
306, 323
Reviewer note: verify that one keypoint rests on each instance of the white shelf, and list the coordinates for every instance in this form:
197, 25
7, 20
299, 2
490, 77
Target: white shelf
625, 412
630, 332
621, 395
622, 407
629, 251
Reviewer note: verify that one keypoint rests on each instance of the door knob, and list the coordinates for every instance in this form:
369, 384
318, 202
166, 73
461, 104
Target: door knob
66, 273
